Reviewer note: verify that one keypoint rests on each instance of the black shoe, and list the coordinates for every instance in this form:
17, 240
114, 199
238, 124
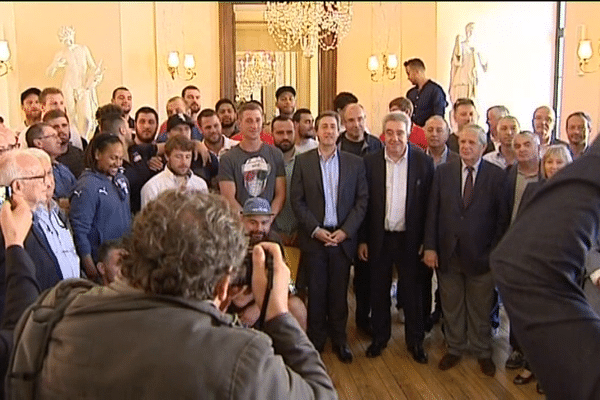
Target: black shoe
418, 354
375, 349
448, 361
487, 366
343, 353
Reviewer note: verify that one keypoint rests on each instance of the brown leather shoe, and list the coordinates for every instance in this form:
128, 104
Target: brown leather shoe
487, 366
448, 361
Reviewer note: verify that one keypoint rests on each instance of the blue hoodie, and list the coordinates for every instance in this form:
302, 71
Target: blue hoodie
100, 211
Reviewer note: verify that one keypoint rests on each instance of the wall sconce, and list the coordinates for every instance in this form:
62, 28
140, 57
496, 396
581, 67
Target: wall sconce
188, 64
4, 57
584, 53
389, 66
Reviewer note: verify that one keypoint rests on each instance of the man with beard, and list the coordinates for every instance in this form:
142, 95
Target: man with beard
226, 111
177, 174
144, 162
191, 96
286, 101
121, 96
52, 98
282, 129
257, 218
305, 131
71, 156
211, 126
30, 104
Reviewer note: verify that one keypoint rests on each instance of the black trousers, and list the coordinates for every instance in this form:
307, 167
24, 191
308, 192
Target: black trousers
328, 276
395, 252
362, 289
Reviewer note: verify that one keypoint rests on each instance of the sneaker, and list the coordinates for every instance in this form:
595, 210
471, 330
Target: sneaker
515, 361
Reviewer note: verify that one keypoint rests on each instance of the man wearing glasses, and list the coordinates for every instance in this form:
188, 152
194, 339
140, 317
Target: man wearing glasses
23, 171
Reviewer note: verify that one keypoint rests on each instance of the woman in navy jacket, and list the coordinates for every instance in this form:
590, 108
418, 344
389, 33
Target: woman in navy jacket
100, 208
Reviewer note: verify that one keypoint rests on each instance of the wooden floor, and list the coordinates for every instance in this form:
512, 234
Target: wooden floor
395, 375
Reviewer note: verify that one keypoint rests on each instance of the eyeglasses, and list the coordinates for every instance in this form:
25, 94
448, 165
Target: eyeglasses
8, 148
29, 178
54, 136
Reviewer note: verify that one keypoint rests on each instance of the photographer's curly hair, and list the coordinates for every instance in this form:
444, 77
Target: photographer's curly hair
182, 244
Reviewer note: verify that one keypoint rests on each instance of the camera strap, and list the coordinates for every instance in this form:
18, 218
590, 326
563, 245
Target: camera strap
263, 310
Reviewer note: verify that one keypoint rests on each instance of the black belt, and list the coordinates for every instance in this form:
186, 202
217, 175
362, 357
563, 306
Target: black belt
331, 228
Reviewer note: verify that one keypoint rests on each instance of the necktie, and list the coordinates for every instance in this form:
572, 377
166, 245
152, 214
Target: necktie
468, 191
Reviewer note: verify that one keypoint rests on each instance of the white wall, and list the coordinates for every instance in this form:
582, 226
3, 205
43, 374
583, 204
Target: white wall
517, 39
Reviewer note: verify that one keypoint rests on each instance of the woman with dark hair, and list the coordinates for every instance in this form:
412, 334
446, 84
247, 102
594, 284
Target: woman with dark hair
100, 208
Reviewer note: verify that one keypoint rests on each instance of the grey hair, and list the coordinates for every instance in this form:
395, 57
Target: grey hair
39, 154
534, 138
10, 169
183, 244
482, 136
439, 118
398, 116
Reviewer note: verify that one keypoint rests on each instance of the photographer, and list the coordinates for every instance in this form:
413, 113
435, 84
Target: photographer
257, 218
160, 332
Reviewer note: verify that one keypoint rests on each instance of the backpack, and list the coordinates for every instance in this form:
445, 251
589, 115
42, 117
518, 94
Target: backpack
32, 336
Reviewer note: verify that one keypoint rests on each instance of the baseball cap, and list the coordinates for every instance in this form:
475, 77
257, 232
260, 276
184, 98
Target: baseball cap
284, 89
257, 206
179, 119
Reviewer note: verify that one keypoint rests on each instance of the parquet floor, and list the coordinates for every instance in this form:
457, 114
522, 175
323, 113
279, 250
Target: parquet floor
395, 375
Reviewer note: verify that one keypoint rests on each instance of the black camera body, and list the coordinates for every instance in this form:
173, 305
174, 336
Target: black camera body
244, 276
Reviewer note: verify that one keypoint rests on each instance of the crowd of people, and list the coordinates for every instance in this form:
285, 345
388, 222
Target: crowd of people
162, 218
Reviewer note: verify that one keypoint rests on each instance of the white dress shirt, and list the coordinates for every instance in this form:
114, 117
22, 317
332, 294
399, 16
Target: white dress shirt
396, 176
166, 180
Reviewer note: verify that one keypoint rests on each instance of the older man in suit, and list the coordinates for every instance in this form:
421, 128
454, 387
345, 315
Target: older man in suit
399, 178
329, 197
463, 225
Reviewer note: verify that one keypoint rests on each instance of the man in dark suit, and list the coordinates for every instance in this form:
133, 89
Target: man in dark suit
399, 178
25, 174
329, 197
539, 267
463, 225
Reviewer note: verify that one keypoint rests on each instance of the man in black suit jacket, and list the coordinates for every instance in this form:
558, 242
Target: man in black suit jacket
463, 225
399, 178
539, 266
329, 197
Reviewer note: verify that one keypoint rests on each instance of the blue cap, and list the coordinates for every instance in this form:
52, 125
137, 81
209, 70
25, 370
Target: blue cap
257, 206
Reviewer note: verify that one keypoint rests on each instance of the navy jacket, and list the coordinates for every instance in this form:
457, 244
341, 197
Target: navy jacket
100, 211
476, 228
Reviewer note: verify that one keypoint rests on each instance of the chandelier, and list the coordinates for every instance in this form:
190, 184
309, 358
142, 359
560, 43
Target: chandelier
314, 24
255, 70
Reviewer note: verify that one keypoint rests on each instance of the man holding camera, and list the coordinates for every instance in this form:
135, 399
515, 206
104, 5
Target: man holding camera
184, 251
257, 218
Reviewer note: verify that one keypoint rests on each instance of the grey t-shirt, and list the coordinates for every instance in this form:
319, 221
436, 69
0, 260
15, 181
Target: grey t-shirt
253, 173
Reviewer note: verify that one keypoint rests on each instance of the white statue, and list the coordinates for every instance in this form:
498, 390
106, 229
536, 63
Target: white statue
81, 77
464, 67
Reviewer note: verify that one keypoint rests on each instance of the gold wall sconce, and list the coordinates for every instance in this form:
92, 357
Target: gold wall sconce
387, 68
189, 65
584, 53
4, 57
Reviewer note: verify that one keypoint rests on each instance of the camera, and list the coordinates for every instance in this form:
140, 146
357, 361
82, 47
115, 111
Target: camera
5, 194
244, 276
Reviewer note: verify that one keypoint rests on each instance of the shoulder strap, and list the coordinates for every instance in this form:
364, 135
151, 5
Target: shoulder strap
32, 336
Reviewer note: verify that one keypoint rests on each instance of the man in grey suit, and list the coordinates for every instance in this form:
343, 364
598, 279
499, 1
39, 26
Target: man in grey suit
329, 197
463, 225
